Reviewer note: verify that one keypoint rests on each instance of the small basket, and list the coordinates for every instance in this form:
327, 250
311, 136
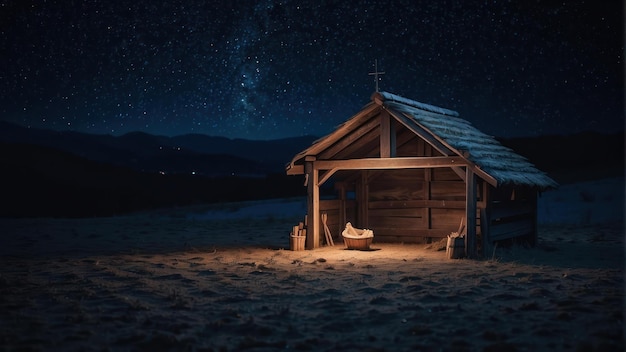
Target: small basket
358, 243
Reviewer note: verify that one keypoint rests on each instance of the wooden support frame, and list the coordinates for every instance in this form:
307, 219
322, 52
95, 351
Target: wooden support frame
387, 136
327, 175
362, 199
535, 236
428, 175
313, 166
390, 163
485, 223
343, 144
380, 164
342, 204
436, 142
313, 204
470, 212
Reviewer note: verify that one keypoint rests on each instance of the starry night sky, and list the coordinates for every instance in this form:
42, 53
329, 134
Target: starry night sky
273, 69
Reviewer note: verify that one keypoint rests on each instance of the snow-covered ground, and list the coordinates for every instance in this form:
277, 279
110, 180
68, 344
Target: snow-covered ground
584, 203
265, 209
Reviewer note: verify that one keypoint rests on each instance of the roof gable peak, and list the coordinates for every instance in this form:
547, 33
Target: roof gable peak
380, 97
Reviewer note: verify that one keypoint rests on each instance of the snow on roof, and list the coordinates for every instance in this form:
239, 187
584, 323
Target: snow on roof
392, 97
502, 163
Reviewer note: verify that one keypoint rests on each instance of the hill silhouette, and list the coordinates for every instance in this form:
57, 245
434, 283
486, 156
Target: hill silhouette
573, 158
70, 174
186, 154
45, 182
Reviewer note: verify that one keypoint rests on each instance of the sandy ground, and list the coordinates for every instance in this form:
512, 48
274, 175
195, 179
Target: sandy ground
164, 281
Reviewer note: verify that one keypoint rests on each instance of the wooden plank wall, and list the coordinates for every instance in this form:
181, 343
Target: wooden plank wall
512, 215
416, 205
511, 219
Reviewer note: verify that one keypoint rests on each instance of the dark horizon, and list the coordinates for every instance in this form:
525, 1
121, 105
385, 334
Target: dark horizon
621, 131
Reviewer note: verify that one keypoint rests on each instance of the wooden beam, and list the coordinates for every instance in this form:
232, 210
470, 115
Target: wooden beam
351, 137
427, 213
295, 170
460, 172
355, 121
390, 163
422, 132
470, 212
327, 175
485, 176
535, 236
393, 137
387, 136
367, 145
435, 141
363, 201
342, 205
313, 206
485, 223
404, 136
407, 235
407, 204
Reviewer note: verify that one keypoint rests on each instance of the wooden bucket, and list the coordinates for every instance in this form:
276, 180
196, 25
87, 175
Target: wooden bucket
296, 243
455, 248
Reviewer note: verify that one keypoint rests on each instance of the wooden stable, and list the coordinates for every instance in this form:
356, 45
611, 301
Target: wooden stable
412, 172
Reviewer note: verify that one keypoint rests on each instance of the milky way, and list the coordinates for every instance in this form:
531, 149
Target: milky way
271, 69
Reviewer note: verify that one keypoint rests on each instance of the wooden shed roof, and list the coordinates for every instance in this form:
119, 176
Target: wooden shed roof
451, 135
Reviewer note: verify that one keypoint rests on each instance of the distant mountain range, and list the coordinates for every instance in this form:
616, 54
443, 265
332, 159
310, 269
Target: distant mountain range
51, 173
573, 158
585, 152
184, 154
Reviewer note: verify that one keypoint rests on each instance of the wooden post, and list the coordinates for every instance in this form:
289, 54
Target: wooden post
535, 235
387, 136
427, 195
470, 212
392, 137
485, 222
362, 199
313, 203
342, 206
427, 211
